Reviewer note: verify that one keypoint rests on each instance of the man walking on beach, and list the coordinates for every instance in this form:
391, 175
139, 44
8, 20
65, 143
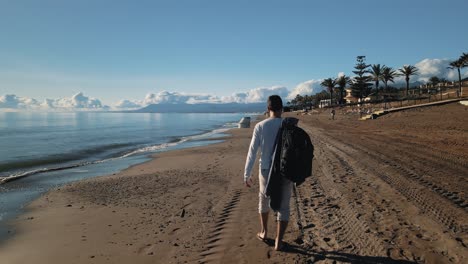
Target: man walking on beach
264, 136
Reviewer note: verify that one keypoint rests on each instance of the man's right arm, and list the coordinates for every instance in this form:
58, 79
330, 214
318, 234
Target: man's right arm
251, 156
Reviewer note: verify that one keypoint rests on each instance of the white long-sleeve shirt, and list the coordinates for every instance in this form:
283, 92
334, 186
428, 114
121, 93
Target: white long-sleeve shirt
263, 136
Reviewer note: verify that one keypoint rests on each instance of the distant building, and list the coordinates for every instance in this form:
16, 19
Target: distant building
464, 82
349, 97
325, 103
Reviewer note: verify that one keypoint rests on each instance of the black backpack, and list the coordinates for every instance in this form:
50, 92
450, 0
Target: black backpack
296, 153
292, 159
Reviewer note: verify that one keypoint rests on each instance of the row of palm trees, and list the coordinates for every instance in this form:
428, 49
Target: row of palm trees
300, 102
385, 74
462, 62
434, 80
377, 73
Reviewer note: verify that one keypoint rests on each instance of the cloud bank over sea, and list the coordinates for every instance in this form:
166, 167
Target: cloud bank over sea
79, 102
256, 95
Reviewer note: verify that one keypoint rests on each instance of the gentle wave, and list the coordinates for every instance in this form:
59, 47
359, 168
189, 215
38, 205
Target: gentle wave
147, 149
174, 143
61, 158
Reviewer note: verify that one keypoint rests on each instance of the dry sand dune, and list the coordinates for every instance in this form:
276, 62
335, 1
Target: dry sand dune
391, 190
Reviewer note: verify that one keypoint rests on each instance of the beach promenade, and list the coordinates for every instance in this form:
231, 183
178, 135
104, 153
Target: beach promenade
391, 190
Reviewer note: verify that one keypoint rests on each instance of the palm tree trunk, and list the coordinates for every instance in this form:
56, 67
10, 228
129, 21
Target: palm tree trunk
407, 86
459, 83
341, 96
377, 88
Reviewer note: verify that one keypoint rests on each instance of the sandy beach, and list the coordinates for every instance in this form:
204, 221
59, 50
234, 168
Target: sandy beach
390, 190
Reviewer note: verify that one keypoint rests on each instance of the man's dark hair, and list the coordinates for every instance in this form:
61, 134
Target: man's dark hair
275, 103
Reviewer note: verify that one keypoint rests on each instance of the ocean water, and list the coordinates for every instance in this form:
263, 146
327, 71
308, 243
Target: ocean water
39, 151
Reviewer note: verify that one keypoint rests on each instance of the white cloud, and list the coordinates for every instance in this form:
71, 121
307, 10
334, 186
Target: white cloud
257, 95
260, 95
434, 67
306, 88
235, 98
165, 97
127, 104
15, 102
78, 101
428, 68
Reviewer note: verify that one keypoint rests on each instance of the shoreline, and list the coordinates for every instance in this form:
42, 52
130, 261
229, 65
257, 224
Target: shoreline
37, 206
221, 135
24, 189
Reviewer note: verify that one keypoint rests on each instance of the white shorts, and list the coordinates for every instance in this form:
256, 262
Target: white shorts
264, 201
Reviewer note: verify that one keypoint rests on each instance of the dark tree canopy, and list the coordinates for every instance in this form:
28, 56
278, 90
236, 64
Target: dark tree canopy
458, 64
408, 71
376, 74
434, 80
341, 83
388, 75
330, 85
361, 85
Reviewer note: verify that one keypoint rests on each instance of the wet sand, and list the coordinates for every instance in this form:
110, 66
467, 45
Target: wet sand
390, 190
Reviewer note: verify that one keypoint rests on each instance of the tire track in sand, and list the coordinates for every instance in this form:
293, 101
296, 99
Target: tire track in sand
427, 171
328, 220
431, 204
373, 163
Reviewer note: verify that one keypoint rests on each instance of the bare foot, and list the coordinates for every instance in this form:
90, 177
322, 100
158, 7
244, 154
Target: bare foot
261, 236
279, 245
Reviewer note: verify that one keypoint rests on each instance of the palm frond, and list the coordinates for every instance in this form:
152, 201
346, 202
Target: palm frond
408, 70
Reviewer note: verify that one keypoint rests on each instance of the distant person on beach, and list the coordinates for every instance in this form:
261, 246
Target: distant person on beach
332, 113
264, 137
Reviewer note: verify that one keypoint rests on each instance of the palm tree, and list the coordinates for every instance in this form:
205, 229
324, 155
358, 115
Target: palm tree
341, 82
407, 71
464, 58
329, 84
376, 75
299, 100
294, 103
458, 64
306, 100
388, 74
434, 80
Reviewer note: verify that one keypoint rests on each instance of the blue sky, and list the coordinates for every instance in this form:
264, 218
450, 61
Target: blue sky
114, 50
